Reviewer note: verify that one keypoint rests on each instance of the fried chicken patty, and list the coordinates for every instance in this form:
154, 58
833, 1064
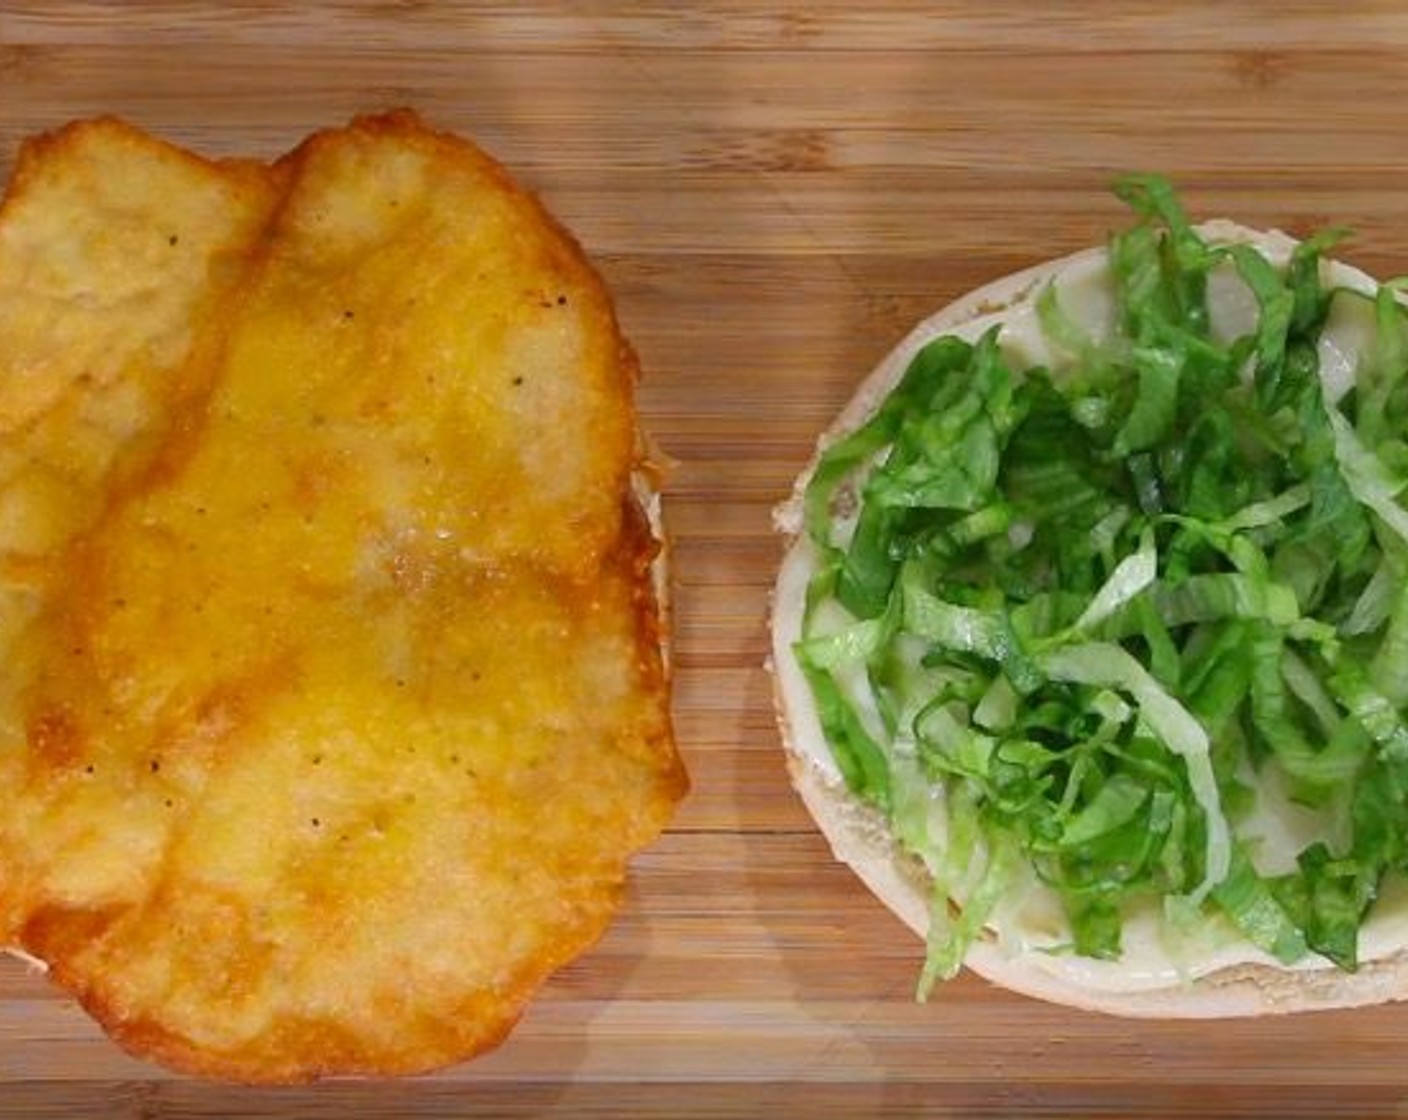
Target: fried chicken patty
334, 701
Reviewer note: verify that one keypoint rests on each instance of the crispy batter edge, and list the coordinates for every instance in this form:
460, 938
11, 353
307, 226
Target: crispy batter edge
34, 150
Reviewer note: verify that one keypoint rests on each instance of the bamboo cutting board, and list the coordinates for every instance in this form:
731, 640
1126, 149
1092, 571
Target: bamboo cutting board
774, 194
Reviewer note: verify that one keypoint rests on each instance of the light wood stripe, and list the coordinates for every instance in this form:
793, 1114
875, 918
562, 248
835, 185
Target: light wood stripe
729, 27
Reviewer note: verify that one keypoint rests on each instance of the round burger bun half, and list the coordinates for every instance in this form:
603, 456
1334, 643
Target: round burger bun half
1232, 981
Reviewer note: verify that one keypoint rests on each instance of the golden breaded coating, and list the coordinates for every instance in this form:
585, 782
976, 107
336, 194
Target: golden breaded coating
344, 709
116, 252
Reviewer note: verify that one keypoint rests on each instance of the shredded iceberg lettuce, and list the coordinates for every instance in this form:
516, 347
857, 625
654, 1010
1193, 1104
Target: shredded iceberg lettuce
1083, 604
